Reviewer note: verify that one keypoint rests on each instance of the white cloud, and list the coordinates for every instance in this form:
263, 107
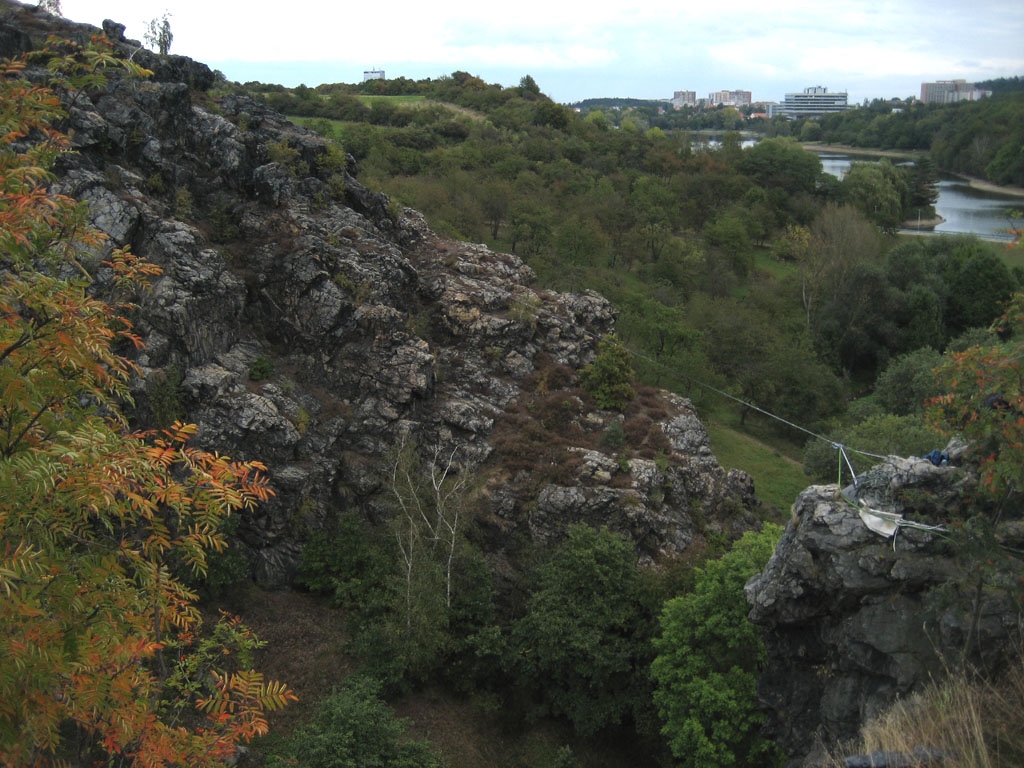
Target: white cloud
778, 46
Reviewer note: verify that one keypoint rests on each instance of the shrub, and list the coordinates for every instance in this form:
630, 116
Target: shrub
182, 203
355, 728
261, 368
575, 647
608, 379
164, 390
347, 565
709, 656
908, 381
614, 436
882, 434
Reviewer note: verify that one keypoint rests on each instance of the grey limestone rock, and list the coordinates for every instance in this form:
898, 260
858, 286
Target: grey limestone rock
365, 327
854, 619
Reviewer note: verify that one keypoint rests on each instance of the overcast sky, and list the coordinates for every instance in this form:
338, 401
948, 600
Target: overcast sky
648, 49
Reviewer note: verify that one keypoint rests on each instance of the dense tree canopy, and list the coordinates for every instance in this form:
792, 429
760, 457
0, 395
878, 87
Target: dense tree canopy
574, 648
979, 138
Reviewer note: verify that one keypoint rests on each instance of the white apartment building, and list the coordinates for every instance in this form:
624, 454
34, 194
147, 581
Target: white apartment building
730, 98
812, 102
682, 99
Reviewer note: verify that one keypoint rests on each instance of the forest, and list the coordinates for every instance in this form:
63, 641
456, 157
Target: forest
745, 270
779, 298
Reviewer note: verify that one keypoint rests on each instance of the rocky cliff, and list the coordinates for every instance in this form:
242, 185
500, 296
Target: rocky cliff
855, 618
313, 324
306, 321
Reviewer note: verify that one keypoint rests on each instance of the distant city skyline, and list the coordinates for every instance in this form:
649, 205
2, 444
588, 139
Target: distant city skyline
868, 49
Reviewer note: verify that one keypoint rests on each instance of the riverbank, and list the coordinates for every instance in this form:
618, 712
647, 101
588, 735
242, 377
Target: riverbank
988, 186
895, 154
843, 149
923, 224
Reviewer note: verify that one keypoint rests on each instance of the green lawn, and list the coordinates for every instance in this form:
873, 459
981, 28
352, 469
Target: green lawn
778, 478
398, 100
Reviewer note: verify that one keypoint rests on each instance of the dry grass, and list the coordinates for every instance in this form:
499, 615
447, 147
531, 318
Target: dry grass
979, 724
469, 735
305, 647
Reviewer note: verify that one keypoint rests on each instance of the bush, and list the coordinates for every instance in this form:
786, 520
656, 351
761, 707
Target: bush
709, 656
908, 381
348, 566
261, 368
575, 649
609, 378
882, 434
355, 728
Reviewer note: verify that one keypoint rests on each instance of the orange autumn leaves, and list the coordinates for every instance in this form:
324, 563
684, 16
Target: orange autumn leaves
102, 650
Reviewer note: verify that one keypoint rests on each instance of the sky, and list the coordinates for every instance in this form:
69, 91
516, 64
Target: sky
646, 50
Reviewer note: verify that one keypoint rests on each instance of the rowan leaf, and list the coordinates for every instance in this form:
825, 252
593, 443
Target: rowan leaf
91, 514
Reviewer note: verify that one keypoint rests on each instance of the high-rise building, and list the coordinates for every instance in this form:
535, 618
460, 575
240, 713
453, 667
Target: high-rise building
730, 98
682, 99
951, 91
813, 102
373, 74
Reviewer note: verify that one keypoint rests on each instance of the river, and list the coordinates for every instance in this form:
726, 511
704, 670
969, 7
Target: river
965, 209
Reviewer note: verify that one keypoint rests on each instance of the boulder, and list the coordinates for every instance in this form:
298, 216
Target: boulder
854, 619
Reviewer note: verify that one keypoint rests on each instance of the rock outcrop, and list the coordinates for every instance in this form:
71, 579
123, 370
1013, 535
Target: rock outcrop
308, 322
855, 619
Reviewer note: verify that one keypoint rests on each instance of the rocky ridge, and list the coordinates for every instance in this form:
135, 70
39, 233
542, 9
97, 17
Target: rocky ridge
312, 324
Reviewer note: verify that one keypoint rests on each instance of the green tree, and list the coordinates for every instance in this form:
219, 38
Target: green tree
979, 285
708, 660
574, 650
579, 242
1006, 166
839, 280
924, 188
597, 119
729, 235
794, 244
781, 164
609, 377
355, 728
528, 87
879, 191
495, 198
551, 114
653, 203
430, 498
908, 382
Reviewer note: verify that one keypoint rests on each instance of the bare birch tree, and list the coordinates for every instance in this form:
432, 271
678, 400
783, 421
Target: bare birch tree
432, 501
